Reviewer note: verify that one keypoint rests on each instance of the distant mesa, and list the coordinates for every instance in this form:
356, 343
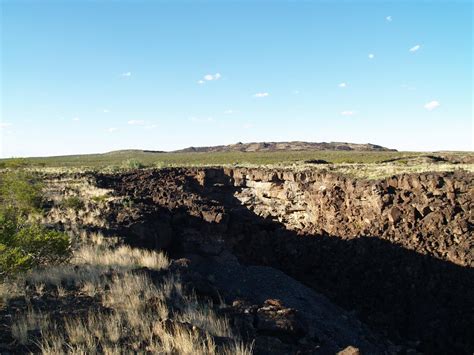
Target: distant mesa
285, 146
266, 147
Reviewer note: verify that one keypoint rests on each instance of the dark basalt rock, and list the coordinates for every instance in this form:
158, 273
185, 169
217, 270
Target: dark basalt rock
397, 252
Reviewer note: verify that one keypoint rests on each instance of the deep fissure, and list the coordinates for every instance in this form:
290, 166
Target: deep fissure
393, 252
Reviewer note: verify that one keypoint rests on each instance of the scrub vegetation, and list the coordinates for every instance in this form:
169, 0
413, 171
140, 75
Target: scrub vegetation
25, 243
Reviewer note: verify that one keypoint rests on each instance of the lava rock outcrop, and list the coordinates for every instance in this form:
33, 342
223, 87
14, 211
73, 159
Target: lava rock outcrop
397, 253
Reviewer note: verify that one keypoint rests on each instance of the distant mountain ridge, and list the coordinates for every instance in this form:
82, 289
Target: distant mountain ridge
285, 146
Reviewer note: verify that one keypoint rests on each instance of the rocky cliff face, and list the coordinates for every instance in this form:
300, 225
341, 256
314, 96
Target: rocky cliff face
429, 213
397, 253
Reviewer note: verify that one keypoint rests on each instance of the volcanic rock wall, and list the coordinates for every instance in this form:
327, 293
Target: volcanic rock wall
430, 213
396, 252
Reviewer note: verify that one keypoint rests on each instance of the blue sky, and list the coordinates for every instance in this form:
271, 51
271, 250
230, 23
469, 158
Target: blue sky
95, 76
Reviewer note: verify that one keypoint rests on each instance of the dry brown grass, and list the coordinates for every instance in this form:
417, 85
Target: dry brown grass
140, 319
30, 321
10, 289
123, 256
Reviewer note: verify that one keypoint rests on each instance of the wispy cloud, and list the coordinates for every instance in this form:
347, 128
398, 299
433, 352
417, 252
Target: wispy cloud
415, 48
76, 119
348, 113
430, 106
126, 74
105, 110
371, 56
248, 126
5, 125
209, 77
389, 18
112, 129
230, 112
136, 122
261, 94
342, 85
151, 126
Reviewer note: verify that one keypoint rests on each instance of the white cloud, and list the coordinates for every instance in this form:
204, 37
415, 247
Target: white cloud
151, 126
415, 48
112, 129
5, 125
371, 56
261, 94
430, 106
248, 126
76, 119
210, 77
200, 82
342, 85
105, 110
389, 18
127, 74
348, 113
229, 112
136, 122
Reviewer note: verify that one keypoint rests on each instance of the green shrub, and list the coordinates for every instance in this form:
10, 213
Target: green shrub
73, 202
21, 191
12, 260
24, 245
132, 164
100, 199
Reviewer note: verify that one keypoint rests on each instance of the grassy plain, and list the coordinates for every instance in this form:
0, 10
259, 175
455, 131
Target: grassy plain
148, 158
361, 164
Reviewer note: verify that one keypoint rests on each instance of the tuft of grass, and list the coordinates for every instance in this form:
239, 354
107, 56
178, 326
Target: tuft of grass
100, 198
73, 202
122, 256
139, 319
24, 324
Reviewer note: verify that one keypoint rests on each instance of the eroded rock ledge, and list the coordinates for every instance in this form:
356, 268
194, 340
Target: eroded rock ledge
396, 252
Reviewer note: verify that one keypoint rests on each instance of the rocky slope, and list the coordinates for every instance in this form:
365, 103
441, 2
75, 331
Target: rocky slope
396, 253
285, 146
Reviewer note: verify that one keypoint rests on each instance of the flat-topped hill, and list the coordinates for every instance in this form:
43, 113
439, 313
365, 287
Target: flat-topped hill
286, 146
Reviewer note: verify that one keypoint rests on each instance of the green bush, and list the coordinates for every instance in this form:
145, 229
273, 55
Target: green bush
12, 260
21, 191
73, 202
132, 164
24, 245
100, 199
